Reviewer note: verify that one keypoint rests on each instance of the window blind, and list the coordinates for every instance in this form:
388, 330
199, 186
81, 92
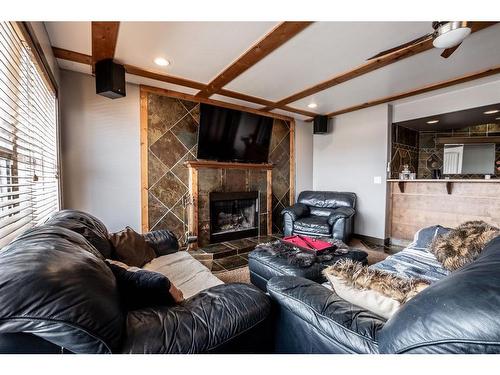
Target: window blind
29, 187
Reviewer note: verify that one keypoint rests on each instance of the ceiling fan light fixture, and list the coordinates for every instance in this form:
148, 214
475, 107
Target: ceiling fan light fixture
451, 34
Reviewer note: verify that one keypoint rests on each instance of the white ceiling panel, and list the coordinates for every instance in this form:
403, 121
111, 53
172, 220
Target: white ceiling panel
197, 50
130, 78
74, 66
479, 51
74, 36
227, 99
321, 51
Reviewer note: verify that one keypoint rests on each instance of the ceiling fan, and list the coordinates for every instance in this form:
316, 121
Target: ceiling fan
447, 34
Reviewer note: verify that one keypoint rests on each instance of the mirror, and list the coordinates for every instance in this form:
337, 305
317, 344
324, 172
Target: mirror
469, 159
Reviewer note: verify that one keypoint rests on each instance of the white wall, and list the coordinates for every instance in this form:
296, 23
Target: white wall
349, 157
100, 151
472, 94
303, 156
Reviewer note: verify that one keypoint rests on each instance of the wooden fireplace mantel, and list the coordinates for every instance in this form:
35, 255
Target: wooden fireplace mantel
195, 165
198, 164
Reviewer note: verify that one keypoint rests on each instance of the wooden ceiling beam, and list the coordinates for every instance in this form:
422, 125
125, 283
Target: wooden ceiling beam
78, 57
134, 70
198, 99
104, 38
270, 42
417, 91
368, 67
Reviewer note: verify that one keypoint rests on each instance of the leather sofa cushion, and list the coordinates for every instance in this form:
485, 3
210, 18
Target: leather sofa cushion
319, 211
327, 199
351, 328
56, 288
201, 324
457, 314
85, 224
313, 224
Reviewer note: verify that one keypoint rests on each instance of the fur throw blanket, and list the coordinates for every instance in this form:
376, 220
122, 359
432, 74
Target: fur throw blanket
462, 245
355, 275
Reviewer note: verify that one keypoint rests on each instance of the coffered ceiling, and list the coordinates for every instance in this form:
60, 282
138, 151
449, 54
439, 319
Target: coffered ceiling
286, 62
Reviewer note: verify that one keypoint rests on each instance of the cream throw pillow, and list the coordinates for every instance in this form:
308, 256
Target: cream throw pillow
368, 299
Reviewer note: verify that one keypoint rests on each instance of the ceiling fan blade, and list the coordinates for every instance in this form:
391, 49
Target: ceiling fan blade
448, 51
402, 46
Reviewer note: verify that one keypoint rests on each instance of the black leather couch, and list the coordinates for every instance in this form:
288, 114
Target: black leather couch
321, 213
457, 314
58, 295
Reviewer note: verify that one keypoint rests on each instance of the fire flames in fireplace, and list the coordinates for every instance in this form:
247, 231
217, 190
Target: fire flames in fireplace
233, 215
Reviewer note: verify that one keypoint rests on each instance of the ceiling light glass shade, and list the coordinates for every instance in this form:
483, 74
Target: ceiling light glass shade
161, 61
432, 121
451, 34
492, 112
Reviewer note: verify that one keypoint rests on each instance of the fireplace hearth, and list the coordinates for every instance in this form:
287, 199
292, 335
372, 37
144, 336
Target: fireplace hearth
233, 215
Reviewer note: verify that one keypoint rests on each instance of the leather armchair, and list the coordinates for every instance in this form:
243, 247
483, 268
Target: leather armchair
321, 214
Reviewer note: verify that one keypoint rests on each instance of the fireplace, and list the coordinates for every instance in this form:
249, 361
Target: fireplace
233, 215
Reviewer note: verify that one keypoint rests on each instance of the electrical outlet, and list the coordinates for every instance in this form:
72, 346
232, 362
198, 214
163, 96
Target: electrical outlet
377, 180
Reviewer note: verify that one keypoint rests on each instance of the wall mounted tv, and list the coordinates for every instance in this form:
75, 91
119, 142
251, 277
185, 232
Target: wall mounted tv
231, 135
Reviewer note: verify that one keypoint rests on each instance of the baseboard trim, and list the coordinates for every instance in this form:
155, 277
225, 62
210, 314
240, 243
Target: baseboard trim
375, 240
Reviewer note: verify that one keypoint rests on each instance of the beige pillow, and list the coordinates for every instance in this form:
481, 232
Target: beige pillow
368, 299
379, 292
131, 248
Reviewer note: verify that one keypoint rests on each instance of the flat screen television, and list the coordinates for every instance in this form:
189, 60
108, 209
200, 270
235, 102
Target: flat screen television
231, 135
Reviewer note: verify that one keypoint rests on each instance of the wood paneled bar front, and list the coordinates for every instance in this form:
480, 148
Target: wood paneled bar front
415, 204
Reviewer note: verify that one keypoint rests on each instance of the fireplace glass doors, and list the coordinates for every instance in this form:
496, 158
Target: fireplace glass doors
233, 215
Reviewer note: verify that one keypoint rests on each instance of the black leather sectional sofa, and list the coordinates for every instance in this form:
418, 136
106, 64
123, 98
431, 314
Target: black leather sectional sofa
457, 314
58, 295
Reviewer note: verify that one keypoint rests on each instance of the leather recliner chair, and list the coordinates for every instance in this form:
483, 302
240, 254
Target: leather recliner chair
321, 214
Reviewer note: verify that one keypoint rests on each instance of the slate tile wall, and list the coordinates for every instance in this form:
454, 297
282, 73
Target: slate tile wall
172, 138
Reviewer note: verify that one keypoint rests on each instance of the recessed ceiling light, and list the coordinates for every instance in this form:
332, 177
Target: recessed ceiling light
161, 61
492, 112
432, 121
312, 105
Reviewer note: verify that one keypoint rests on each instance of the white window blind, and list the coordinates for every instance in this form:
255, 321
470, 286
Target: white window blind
29, 188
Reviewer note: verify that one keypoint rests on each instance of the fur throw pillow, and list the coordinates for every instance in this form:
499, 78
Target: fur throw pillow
356, 275
462, 245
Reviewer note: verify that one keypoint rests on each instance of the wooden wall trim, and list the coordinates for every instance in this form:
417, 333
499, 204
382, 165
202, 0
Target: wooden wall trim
269, 193
292, 162
367, 67
278, 36
144, 160
184, 96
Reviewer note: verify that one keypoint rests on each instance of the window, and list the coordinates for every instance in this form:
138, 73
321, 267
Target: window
29, 188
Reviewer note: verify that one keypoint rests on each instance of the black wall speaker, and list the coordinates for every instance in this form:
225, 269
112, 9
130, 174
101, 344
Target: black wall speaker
110, 79
320, 124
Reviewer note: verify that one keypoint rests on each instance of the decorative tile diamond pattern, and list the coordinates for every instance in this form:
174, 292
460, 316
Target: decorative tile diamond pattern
172, 138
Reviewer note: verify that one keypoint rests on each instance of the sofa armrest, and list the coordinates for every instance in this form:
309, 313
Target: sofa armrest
202, 324
341, 213
346, 328
163, 242
296, 211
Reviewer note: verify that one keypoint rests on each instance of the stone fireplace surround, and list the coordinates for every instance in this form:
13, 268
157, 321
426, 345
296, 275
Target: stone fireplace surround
207, 177
169, 127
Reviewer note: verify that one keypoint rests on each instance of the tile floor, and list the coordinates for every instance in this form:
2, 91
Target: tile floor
230, 255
